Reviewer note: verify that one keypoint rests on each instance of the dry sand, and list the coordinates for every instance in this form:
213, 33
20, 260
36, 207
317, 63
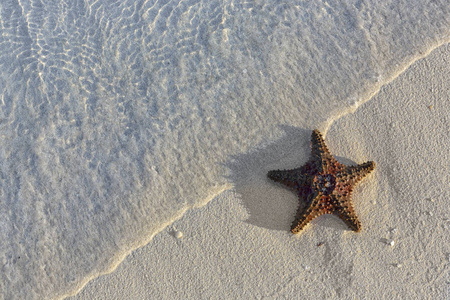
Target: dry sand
238, 246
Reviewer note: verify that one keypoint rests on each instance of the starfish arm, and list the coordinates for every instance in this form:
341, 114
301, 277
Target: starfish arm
318, 145
291, 178
320, 153
306, 215
346, 213
356, 173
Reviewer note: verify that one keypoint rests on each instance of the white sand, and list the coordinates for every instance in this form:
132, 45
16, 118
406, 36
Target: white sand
239, 246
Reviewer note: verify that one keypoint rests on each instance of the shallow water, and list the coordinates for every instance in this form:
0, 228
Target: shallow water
118, 116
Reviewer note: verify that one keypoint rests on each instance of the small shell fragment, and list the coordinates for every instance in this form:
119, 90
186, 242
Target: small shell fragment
178, 234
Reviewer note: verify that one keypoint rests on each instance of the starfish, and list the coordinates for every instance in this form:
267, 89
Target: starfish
324, 185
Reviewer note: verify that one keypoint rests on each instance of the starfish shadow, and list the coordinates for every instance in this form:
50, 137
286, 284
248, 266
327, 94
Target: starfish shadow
271, 205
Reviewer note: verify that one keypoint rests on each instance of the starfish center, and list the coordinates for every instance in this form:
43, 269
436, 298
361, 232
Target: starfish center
324, 183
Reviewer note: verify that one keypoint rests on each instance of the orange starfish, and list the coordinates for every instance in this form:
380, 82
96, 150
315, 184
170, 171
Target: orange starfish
324, 184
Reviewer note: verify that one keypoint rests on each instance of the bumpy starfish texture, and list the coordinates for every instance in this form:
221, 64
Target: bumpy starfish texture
324, 185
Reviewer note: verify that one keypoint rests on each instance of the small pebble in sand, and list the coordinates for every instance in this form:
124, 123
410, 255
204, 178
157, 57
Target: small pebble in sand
178, 234
390, 242
397, 265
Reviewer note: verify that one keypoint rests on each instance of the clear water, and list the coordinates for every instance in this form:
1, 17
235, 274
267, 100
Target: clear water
118, 116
